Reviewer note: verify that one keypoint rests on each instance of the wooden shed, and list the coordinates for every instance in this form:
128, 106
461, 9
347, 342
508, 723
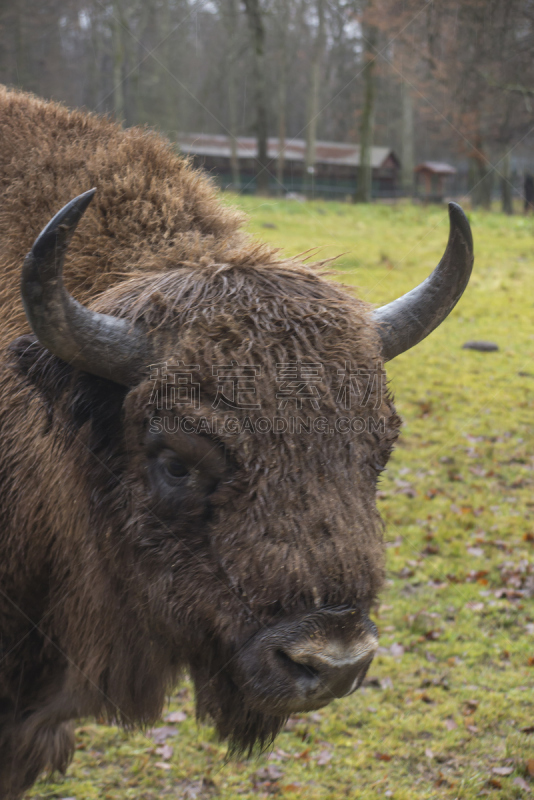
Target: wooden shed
335, 172
431, 180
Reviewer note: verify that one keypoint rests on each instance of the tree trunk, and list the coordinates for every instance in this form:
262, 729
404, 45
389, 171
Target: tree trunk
313, 97
482, 180
283, 16
257, 30
22, 67
365, 172
118, 61
506, 185
231, 19
407, 147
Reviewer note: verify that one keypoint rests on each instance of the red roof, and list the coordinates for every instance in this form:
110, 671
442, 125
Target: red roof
436, 167
295, 149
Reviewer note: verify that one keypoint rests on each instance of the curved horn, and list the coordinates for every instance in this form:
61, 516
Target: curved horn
408, 320
106, 346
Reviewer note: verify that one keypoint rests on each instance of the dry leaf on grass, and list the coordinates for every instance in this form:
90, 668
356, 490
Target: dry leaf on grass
383, 756
503, 771
159, 735
270, 773
323, 758
396, 650
165, 752
176, 716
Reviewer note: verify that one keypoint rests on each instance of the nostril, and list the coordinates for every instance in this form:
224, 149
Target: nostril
297, 669
332, 668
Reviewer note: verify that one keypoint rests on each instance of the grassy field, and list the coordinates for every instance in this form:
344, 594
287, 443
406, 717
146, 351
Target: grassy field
448, 708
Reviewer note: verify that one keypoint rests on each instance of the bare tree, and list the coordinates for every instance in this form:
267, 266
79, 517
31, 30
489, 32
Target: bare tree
365, 172
407, 148
118, 27
229, 10
256, 23
313, 93
283, 14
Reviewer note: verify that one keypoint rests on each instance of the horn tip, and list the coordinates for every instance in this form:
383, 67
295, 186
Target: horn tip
459, 222
67, 218
82, 201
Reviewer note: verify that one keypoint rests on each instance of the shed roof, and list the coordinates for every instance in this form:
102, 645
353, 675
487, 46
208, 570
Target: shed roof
436, 167
218, 145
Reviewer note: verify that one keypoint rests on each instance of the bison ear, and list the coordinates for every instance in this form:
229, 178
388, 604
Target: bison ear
90, 399
47, 374
411, 318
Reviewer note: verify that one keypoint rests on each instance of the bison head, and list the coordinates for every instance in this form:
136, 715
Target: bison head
240, 529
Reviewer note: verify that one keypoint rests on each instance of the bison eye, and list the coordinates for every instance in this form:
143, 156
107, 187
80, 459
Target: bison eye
176, 468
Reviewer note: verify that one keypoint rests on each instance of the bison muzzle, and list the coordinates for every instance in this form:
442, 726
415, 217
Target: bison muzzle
192, 430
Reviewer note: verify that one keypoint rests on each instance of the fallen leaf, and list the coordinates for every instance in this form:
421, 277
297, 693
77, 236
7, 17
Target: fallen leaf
478, 552
475, 606
159, 735
162, 765
495, 783
521, 782
528, 729
477, 575
396, 650
383, 756
530, 767
270, 773
279, 755
165, 752
450, 724
502, 771
176, 716
470, 706
323, 758
426, 698
472, 728
429, 753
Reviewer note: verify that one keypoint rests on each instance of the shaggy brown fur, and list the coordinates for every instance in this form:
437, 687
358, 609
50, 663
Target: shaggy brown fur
110, 587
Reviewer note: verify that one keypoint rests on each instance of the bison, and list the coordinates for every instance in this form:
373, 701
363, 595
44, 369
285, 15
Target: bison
188, 479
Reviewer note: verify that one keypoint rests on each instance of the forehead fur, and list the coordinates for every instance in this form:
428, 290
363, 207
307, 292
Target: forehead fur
233, 310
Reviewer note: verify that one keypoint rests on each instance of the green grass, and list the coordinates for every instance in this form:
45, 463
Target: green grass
451, 687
